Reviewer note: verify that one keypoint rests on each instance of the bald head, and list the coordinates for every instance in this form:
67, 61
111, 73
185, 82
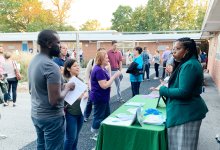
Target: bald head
63, 49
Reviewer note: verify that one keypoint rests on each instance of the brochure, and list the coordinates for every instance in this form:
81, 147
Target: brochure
80, 88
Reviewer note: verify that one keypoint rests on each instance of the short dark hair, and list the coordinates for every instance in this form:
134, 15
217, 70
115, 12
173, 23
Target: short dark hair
68, 64
139, 49
113, 42
46, 37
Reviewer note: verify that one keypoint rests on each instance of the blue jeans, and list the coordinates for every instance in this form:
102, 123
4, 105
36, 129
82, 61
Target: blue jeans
147, 70
73, 126
12, 84
101, 111
135, 86
88, 109
50, 133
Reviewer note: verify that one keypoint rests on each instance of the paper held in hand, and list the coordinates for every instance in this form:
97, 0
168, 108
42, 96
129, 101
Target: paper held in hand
83, 104
80, 88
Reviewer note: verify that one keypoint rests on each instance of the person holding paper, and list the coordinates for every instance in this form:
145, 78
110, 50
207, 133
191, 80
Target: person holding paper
100, 89
184, 105
47, 94
74, 117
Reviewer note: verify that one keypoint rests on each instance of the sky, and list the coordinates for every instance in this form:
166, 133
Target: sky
101, 10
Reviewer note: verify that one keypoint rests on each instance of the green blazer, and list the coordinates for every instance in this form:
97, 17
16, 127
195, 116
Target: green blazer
184, 103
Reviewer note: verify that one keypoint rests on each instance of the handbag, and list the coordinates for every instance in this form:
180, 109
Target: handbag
17, 72
132, 69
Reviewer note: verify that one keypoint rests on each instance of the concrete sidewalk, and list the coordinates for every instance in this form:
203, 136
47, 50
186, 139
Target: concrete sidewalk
211, 124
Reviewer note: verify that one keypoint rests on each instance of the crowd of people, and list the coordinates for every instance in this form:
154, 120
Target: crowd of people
58, 123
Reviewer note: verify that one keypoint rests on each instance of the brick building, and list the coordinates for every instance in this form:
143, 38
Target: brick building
211, 31
90, 41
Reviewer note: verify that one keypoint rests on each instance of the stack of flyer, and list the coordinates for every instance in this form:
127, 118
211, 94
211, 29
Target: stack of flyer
154, 119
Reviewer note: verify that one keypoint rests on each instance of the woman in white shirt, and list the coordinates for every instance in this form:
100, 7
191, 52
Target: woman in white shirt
9, 69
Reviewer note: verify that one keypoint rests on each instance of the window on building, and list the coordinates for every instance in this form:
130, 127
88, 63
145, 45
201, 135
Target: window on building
124, 46
24, 46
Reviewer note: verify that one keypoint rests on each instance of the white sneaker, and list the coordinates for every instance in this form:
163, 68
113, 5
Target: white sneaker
85, 119
3, 137
122, 101
94, 137
155, 78
5, 104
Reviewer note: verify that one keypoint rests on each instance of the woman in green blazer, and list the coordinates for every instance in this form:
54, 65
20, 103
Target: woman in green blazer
185, 107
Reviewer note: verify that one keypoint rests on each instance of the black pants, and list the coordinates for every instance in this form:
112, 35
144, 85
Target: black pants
135, 86
147, 70
156, 67
12, 84
164, 67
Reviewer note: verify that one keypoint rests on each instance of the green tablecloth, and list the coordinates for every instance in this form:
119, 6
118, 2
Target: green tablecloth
134, 137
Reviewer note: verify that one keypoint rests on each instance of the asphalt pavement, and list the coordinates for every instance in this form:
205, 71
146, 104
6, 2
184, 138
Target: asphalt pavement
16, 121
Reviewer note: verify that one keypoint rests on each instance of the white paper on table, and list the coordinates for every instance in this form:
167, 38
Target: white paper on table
132, 110
117, 121
154, 119
136, 104
80, 88
124, 117
83, 104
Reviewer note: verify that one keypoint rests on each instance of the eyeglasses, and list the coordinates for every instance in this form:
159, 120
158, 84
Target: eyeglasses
177, 49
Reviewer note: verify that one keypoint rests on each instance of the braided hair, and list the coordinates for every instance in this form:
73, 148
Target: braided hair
189, 45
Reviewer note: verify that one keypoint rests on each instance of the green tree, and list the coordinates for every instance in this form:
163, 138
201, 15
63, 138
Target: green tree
90, 25
61, 12
138, 19
158, 15
174, 14
24, 15
201, 10
161, 15
122, 19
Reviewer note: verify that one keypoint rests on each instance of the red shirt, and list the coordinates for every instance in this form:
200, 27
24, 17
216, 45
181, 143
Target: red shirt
114, 59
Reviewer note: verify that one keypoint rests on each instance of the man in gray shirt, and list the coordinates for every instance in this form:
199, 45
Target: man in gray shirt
46, 93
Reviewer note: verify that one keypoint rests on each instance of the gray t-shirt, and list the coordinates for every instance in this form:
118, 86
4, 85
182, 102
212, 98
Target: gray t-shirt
42, 71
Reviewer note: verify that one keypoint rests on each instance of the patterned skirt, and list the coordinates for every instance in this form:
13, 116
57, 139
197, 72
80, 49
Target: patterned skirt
184, 137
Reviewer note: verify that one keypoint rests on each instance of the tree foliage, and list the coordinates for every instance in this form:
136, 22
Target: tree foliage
122, 19
91, 25
161, 15
61, 11
27, 16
